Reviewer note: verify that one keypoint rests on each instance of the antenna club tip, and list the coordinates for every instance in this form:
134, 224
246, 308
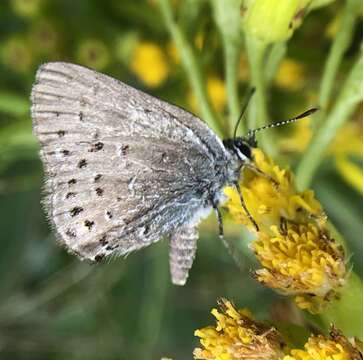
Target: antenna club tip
307, 113
314, 109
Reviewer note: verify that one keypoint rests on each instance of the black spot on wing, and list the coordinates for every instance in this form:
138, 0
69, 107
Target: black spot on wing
89, 224
125, 149
99, 191
70, 195
82, 163
146, 229
70, 233
103, 240
76, 210
96, 147
99, 257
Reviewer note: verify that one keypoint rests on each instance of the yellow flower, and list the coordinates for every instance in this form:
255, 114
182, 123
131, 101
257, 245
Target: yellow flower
217, 93
93, 53
149, 64
293, 244
349, 142
290, 75
353, 174
299, 138
173, 52
301, 261
237, 336
271, 198
318, 347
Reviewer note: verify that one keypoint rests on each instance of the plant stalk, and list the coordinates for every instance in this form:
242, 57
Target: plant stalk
349, 98
192, 69
340, 45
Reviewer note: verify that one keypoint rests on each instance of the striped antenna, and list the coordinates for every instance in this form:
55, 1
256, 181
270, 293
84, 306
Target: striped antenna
251, 133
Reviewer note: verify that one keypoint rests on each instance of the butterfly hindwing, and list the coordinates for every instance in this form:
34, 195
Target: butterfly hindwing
123, 168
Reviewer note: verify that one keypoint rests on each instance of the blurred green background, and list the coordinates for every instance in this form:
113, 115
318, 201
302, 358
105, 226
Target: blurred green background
52, 306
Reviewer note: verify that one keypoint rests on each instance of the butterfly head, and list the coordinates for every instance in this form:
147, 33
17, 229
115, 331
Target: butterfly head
241, 147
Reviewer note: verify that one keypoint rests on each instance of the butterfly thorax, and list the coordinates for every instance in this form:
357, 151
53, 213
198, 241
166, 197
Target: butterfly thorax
240, 150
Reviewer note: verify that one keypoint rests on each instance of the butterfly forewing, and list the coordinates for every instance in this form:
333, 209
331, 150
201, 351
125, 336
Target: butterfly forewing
123, 168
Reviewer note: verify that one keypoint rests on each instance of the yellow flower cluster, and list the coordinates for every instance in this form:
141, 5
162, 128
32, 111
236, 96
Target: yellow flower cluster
348, 144
149, 63
338, 347
237, 336
290, 75
217, 93
293, 245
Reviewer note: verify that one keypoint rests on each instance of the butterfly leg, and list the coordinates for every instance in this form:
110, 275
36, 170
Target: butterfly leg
220, 222
258, 171
183, 246
228, 244
244, 207
221, 230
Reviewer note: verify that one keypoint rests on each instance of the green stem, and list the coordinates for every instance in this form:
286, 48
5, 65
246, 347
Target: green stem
346, 312
339, 47
151, 312
192, 68
227, 17
58, 284
258, 115
350, 96
275, 56
231, 55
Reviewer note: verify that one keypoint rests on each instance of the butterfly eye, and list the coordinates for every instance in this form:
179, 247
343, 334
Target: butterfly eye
245, 149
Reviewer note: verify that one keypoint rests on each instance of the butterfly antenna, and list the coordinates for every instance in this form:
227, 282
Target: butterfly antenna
251, 133
248, 98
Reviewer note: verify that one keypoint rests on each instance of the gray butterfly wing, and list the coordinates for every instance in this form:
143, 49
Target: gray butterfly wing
123, 168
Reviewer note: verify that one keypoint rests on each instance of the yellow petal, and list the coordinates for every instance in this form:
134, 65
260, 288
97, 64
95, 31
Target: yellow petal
352, 173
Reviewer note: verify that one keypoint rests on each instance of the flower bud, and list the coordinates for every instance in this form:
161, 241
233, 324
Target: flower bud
273, 20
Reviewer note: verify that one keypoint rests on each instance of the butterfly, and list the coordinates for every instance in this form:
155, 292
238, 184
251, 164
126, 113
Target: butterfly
125, 169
